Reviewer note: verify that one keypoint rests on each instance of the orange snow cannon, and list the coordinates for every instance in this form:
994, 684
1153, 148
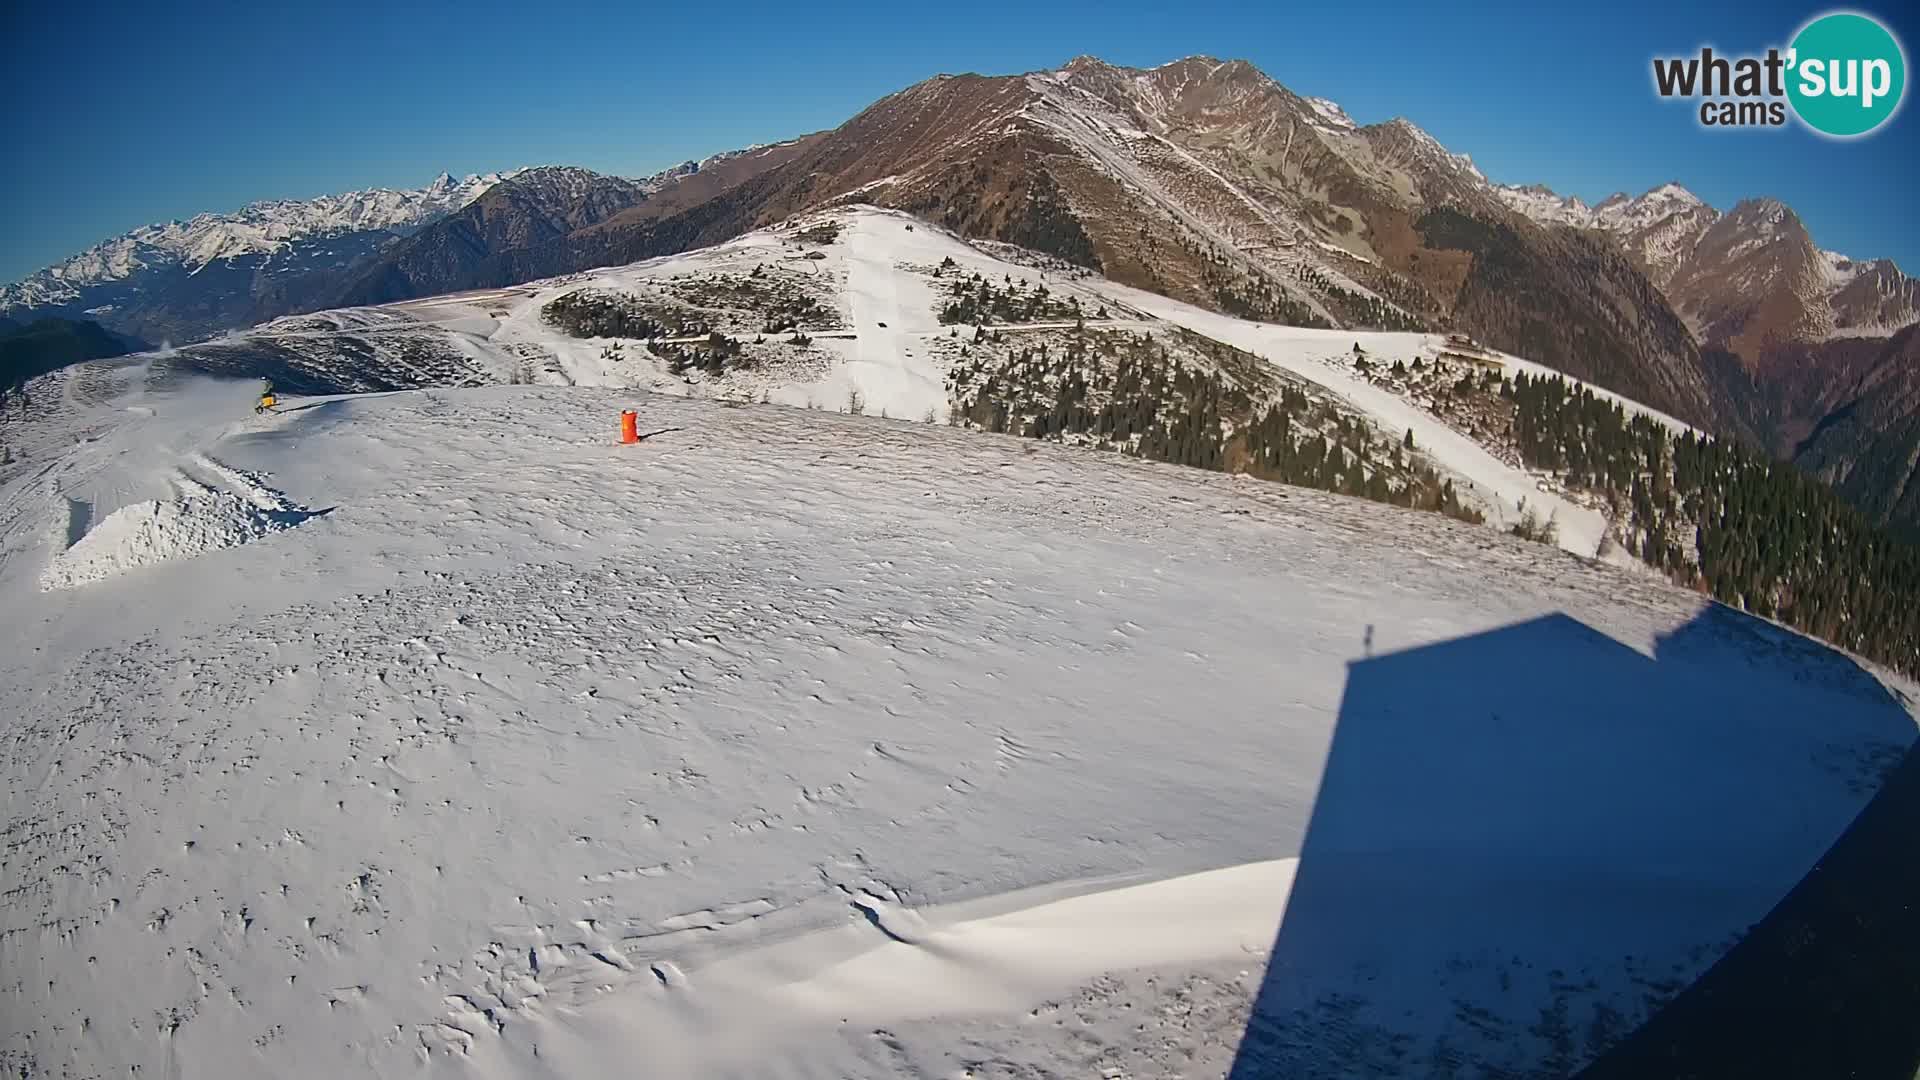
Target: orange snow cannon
629, 426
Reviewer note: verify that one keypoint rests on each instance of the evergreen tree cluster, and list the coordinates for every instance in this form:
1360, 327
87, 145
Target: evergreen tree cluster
1044, 222
1257, 299
589, 313
1755, 533
1405, 293
791, 313
977, 301
713, 356
782, 305
1355, 309
1125, 392
822, 235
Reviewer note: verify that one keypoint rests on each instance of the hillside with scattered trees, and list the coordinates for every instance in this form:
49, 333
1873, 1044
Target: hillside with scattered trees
977, 301
1191, 401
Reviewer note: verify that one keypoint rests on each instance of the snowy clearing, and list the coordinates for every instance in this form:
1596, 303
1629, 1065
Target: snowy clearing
1306, 352
797, 744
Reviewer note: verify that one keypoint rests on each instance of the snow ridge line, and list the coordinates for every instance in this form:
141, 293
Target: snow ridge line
248, 486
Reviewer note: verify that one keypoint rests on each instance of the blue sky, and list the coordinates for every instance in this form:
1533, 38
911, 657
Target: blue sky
122, 115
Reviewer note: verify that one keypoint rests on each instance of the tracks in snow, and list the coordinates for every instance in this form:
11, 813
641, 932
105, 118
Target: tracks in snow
252, 487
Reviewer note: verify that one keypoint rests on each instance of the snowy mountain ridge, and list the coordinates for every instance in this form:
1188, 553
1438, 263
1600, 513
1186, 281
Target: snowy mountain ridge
1616, 211
1660, 227
259, 228
271, 227
1716, 267
1674, 210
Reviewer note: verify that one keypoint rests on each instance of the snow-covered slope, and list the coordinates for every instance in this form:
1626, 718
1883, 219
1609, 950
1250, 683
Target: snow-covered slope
789, 743
871, 291
1321, 356
832, 742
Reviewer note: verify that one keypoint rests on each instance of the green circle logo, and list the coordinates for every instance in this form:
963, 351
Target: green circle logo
1847, 74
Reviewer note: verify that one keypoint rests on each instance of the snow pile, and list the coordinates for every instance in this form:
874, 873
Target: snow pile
202, 519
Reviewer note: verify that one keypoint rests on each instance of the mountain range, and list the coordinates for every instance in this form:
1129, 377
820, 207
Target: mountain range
184, 281
1200, 179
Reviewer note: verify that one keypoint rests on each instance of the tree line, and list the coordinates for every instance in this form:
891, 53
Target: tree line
1754, 533
977, 301
1126, 392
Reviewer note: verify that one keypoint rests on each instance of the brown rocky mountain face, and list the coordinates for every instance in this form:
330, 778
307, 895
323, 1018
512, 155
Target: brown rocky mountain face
1806, 367
1203, 180
1211, 182
1749, 280
1659, 231
1752, 281
1876, 298
1868, 445
1803, 348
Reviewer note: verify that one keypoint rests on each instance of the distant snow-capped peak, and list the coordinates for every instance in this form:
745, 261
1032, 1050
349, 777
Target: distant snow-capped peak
566, 183
1540, 203
259, 228
1616, 213
1332, 113
1619, 213
1431, 148
269, 226
1660, 227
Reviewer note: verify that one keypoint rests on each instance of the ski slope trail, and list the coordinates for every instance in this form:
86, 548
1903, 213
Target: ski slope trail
1302, 350
798, 744
890, 365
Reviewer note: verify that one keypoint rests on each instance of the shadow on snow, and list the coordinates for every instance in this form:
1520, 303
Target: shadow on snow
1527, 841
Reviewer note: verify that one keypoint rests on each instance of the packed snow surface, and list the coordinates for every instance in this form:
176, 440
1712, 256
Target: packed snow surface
796, 744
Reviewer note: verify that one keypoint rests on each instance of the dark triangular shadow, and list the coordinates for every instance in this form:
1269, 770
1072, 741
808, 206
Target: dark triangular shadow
1827, 984
1525, 841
